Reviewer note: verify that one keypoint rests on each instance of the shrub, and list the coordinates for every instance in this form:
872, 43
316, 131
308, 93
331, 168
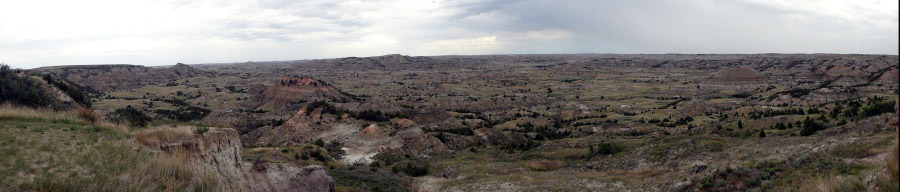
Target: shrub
319, 142
22, 90
87, 115
131, 115
810, 127
606, 149
877, 108
334, 149
201, 129
184, 113
412, 169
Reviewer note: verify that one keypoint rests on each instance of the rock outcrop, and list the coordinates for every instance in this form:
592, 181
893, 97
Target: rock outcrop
284, 177
361, 140
217, 153
297, 90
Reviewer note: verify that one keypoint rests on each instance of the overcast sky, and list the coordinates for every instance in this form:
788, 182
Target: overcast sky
36, 33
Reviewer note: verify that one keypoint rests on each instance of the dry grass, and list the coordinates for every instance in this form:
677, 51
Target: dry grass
30, 114
156, 136
87, 115
886, 181
166, 166
81, 116
543, 165
889, 181
835, 184
87, 157
892, 166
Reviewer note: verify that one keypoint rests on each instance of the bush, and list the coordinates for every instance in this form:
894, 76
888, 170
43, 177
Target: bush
129, 114
411, 169
334, 149
201, 129
810, 127
605, 149
319, 142
87, 115
680, 121
22, 90
184, 113
876, 108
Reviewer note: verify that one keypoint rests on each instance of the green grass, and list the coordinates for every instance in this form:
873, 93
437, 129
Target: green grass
61, 156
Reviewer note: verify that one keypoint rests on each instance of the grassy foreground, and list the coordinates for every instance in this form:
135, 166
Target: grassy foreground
44, 150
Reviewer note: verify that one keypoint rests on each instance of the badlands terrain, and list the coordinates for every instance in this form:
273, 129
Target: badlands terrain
579, 122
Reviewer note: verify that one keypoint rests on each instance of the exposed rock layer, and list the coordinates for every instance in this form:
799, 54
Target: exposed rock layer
218, 153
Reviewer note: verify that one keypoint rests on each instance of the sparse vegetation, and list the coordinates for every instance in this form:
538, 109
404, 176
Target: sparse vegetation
370, 115
589, 122
605, 148
72, 90
130, 115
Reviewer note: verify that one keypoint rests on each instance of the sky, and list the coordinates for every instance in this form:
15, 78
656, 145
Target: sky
36, 33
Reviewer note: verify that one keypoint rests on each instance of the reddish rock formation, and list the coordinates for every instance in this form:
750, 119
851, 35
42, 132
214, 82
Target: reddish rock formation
297, 89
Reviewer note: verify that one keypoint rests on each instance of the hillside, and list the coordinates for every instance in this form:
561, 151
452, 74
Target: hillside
52, 142
65, 151
584, 122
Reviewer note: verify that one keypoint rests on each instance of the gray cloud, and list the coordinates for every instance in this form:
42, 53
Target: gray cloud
160, 33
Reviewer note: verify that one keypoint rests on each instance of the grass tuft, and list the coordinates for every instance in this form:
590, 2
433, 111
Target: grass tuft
153, 137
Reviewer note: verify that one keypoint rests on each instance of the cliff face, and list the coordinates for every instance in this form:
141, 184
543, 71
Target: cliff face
217, 153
